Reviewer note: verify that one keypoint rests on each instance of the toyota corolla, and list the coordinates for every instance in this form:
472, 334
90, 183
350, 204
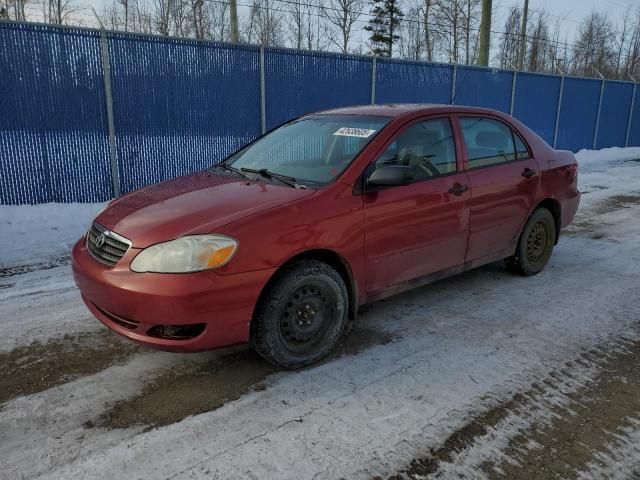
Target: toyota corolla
279, 244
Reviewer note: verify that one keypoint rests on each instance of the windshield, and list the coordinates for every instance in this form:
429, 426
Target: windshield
313, 150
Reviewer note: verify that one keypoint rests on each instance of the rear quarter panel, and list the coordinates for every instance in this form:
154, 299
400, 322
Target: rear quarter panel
558, 173
560, 182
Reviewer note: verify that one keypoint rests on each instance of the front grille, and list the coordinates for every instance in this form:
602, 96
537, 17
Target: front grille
105, 246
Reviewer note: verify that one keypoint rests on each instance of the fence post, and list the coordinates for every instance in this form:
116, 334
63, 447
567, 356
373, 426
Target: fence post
263, 104
453, 84
108, 97
633, 101
374, 64
595, 131
513, 92
555, 132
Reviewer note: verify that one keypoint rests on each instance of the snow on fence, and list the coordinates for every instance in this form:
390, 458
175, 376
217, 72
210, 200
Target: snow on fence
86, 115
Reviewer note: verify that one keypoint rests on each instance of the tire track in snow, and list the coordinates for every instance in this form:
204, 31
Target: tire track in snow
37, 367
569, 421
32, 267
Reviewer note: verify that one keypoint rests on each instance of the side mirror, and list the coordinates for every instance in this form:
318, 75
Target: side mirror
389, 176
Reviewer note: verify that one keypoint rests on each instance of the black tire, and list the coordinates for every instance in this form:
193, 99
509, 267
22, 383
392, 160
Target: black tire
535, 245
302, 315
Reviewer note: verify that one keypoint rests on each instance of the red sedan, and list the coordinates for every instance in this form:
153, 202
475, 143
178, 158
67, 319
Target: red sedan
280, 243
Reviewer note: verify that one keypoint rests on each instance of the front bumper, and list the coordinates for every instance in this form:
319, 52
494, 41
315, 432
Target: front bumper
131, 304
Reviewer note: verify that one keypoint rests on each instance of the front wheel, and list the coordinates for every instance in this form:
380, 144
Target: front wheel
535, 245
301, 315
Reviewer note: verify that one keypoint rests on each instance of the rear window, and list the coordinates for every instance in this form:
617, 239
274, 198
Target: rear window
489, 142
522, 151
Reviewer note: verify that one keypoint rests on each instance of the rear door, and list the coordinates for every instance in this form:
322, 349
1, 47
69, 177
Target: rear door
504, 179
420, 228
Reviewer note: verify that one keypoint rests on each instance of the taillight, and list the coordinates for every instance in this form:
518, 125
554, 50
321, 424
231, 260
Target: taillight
572, 171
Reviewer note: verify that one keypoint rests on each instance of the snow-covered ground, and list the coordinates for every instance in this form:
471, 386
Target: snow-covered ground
39, 233
514, 355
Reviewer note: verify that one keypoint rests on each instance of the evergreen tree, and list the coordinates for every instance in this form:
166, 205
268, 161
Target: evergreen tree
384, 26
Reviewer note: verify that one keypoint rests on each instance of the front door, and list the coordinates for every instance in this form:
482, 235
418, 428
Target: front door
420, 228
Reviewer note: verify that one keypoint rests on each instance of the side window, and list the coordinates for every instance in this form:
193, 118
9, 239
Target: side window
488, 142
427, 148
522, 151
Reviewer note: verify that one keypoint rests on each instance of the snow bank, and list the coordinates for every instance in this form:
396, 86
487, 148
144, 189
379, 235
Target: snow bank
607, 155
32, 233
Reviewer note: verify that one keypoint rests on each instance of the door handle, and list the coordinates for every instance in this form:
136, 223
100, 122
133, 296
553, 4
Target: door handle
458, 189
528, 173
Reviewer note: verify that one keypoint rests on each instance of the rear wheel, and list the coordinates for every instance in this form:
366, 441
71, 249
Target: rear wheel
535, 245
301, 316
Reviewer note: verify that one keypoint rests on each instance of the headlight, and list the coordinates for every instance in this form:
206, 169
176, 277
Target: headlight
186, 254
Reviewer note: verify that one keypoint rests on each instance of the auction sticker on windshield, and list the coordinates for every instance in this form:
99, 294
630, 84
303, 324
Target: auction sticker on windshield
354, 132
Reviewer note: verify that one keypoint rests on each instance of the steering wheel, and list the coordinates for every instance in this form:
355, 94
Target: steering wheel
429, 167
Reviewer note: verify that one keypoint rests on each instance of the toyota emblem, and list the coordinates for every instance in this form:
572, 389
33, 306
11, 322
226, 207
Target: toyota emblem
100, 239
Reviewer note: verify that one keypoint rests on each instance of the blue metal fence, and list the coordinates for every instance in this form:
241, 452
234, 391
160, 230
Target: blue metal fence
578, 113
412, 82
180, 105
614, 114
53, 142
481, 87
536, 101
301, 82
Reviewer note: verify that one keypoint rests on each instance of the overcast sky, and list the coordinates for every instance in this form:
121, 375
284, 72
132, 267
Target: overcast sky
571, 12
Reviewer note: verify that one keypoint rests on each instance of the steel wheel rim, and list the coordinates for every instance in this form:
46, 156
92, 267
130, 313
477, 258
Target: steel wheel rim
307, 317
538, 241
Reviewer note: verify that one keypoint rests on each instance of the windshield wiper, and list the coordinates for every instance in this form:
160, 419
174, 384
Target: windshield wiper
267, 174
229, 168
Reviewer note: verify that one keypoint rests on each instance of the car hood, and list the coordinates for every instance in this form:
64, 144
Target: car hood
198, 203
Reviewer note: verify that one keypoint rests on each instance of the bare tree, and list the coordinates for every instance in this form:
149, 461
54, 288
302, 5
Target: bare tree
620, 41
18, 7
539, 43
125, 7
264, 25
181, 21
593, 50
632, 57
110, 17
342, 15
297, 24
510, 38
316, 38
412, 39
197, 18
557, 57
447, 13
219, 14
470, 17
59, 11
132, 16
161, 15
427, 12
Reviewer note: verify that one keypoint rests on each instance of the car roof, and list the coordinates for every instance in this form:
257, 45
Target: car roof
398, 109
